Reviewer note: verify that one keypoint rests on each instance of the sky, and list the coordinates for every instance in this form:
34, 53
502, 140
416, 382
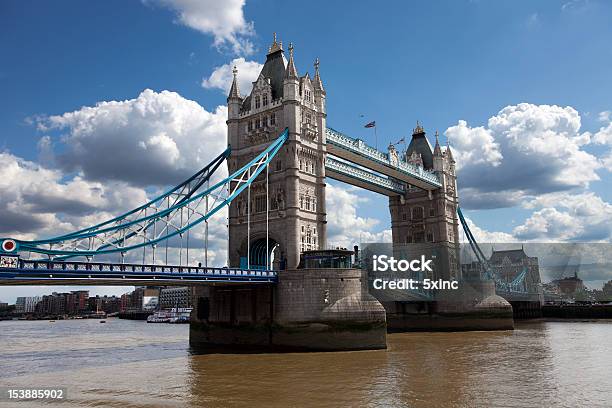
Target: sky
92, 93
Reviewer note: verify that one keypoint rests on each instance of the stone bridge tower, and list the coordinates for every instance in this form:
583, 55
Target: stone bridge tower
430, 219
280, 99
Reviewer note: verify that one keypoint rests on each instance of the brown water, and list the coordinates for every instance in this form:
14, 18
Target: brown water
134, 364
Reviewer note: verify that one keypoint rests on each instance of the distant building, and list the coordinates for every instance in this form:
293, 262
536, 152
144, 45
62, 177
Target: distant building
72, 303
53, 304
106, 304
607, 289
175, 297
508, 265
141, 299
76, 302
27, 304
570, 286
3, 306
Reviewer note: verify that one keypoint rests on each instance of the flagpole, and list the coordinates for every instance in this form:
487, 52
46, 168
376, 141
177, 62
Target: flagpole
375, 136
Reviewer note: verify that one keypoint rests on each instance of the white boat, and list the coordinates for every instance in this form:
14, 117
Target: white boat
174, 315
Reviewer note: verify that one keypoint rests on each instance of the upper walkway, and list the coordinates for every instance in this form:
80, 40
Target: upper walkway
357, 152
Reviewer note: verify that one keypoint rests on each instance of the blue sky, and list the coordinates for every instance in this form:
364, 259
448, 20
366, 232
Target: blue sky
439, 62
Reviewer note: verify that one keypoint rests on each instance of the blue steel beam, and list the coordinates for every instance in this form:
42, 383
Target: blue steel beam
122, 234
25, 272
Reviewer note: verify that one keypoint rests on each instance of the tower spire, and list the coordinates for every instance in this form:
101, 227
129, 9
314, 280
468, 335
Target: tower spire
437, 149
234, 90
418, 129
449, 153
318, 84
276, 46
291, 72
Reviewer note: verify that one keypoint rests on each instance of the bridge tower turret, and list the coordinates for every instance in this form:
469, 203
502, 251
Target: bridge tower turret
234, 102
280, 99
429, 218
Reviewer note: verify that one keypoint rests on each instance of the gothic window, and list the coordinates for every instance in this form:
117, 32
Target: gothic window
307, 203
430, 237
256, 123
302, 205
279, 165
417, 213
273, 119
273, 203
308, 97
308, 118
403, 216
301, 165
257, 102
250, 125
260, 203
265, 100
263, 122
432, 212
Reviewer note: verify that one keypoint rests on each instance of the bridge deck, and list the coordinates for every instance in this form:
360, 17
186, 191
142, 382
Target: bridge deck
351, 174
356, 151
26, 272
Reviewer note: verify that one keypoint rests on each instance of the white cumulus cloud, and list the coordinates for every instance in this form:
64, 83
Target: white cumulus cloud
567, 217
35, 201
222, 76
473, 145
524, 151
346, 228
157, 138
224, 20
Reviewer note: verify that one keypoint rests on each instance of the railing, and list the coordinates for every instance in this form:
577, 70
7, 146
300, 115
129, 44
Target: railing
363, 175
358, 146
160, 270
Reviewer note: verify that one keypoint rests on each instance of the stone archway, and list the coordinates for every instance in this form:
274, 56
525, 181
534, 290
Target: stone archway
257, 256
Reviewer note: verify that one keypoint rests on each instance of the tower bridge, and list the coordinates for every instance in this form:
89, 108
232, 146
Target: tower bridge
280, 152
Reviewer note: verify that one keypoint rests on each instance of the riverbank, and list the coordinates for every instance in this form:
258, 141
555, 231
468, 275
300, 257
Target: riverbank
577, 311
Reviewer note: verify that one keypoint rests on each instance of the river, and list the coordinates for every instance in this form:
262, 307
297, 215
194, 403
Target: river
126, 363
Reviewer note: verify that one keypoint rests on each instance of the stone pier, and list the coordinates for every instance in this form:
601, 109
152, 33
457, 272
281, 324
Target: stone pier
309, 309
475, 306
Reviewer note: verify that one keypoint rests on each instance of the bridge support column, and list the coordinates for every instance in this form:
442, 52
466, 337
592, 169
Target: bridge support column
309, 309
327, 309
474, 306
239, 315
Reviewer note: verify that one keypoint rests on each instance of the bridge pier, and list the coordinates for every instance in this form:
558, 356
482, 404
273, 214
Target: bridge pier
309, 309
474, 306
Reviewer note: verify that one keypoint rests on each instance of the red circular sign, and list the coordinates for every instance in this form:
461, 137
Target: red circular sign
9, 245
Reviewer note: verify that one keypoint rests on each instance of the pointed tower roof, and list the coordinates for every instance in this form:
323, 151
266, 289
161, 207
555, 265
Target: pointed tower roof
274, 70
291, 72
318, 84
420, 145
449, 153
234, 90
276, 46
437, 149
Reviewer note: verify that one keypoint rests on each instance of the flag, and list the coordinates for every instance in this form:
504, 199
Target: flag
371, 124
